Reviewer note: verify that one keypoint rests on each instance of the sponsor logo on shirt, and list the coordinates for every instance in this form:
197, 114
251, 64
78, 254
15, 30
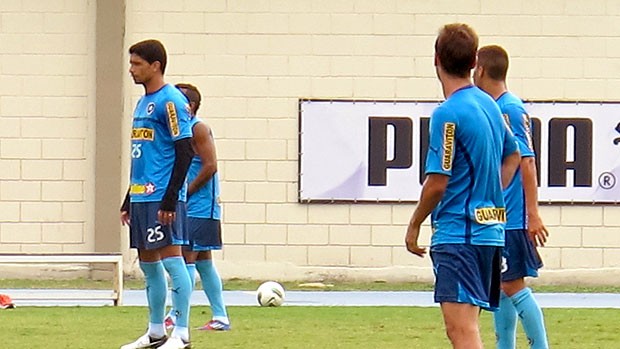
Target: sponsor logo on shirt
145, 134
506, 119
528, 131
142, 189
173, 119
448, 145
150, 108
490, 215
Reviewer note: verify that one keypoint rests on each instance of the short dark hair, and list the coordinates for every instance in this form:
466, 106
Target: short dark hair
151, 51
191, 92
494, 60
456, 47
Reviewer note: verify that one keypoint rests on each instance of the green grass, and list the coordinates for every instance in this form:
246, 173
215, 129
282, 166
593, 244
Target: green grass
290, 327
239, 284
68, 283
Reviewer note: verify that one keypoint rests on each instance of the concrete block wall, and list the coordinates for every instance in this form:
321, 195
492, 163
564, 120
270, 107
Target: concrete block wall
46, 92
254, 59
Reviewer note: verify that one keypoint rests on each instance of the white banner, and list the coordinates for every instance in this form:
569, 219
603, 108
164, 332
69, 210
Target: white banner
375, 151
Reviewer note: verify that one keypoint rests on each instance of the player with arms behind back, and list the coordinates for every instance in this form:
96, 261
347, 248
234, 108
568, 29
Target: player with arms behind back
472, 155
204, 214
155, 208
524, 228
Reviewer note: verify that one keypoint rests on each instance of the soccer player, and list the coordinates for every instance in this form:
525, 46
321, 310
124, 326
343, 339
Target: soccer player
524, 227
204, 213
472, 155
154, 208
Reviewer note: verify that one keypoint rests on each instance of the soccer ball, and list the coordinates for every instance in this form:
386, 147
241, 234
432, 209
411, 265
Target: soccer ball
270, 294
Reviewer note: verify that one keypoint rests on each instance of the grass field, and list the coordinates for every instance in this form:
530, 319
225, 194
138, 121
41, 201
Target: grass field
290, 327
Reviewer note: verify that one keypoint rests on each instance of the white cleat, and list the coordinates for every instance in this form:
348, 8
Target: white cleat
145, 341
175, 343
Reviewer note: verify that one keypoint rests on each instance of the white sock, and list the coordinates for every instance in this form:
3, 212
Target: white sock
223, 319
181, 332
156, 330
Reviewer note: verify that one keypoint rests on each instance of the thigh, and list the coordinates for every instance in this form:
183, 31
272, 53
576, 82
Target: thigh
520, 257
145, 230
460, 314
205, 255
467, 274
205, 234
462, 325
147, 233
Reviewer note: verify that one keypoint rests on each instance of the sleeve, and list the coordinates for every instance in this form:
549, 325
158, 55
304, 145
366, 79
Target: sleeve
178, 118
182, 160
510, 142
520, 124
441, 143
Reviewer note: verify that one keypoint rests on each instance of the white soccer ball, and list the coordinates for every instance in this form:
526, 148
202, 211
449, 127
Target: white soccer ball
270, 294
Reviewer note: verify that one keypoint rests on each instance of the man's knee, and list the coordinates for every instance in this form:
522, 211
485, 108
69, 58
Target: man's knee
148, 255
170, 251
461, 321
460, 330
511, 287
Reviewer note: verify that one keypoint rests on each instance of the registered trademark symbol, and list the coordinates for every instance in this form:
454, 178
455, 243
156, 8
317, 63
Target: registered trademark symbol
607, 180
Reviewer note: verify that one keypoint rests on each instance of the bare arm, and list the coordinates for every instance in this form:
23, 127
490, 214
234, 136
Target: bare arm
432, 193
204, 146
536, 229
509, 167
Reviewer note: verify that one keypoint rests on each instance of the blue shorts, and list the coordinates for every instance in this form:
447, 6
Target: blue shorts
146, 233
520, 258
205, 234
467, 274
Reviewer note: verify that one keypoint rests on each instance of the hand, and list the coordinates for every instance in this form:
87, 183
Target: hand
537, 231
411, 240
125, 218
166, 217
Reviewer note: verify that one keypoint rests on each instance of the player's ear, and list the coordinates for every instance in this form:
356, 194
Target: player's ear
156, 66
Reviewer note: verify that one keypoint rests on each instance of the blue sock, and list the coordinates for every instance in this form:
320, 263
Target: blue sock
181, 289
505, 320
212, 285
191, 269
156, 289
531, 318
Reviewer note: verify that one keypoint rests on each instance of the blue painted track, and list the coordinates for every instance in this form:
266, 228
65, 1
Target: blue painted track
302, 298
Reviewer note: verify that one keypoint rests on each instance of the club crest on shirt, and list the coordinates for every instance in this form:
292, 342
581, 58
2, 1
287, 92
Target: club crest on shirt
150, 108
173, 119
449, 130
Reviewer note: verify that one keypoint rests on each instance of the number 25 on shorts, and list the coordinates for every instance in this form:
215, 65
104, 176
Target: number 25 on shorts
154, 234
